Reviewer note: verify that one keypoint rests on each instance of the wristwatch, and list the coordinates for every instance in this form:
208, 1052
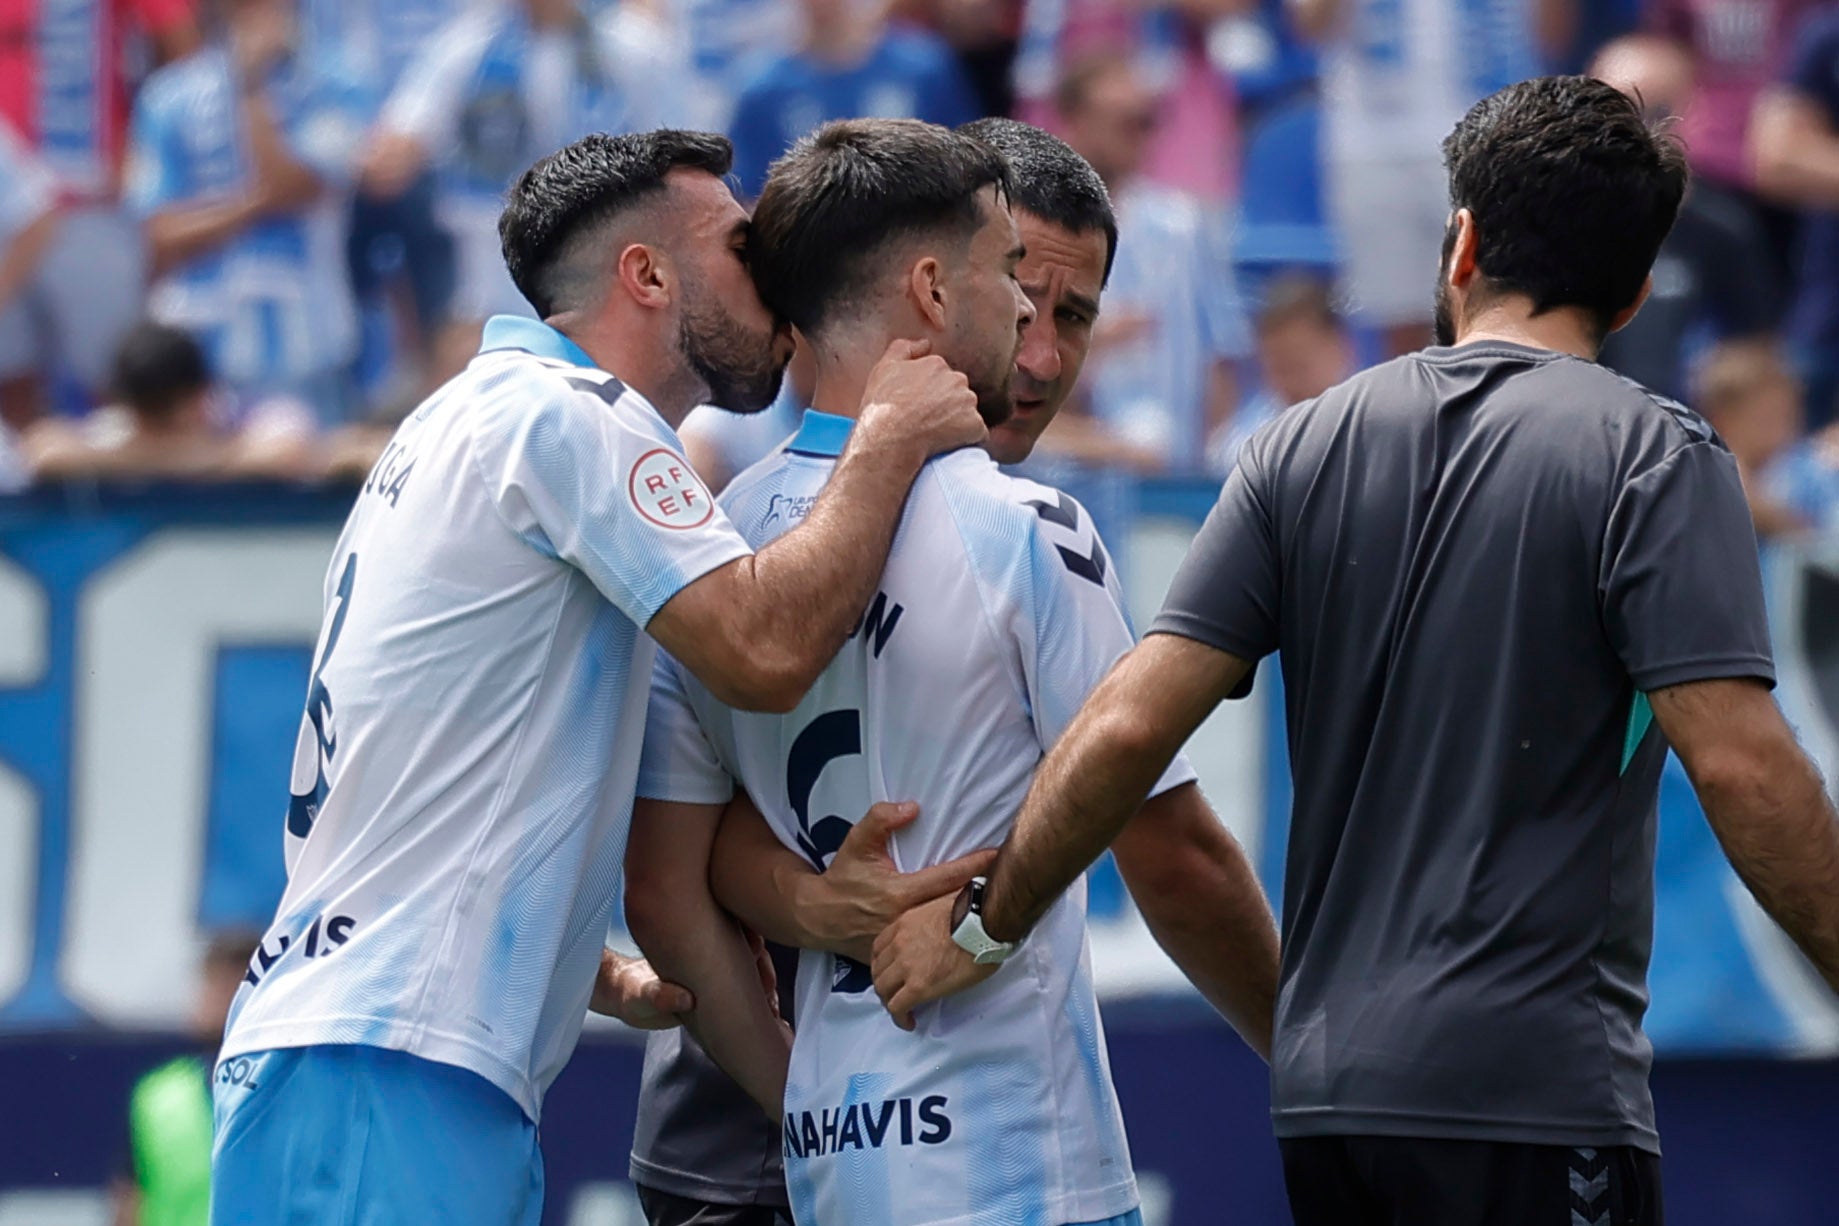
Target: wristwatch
967, 927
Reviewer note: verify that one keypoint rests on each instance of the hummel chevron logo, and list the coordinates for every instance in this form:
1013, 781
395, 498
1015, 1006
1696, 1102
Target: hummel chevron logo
1063, 512
1590, 1204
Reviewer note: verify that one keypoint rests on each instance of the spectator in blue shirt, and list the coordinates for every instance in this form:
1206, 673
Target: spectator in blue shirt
1304, 348
852, 65
1162, 375
28, 223
401, 257
1795, 146
500, 87
239, 161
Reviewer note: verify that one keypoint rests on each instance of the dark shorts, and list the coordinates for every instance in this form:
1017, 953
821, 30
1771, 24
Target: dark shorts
1407, 1181
663, 1209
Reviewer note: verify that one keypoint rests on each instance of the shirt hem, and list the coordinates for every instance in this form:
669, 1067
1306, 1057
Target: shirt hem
1327, 1122
441, 1048
1185, 626
699, 1187
1712, 668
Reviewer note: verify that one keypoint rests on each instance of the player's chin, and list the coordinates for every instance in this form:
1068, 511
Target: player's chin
747, 392
1008, 444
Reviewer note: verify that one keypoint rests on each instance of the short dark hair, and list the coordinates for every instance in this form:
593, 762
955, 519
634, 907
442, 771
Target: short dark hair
1050, 180
159, 367
585, 184
845, 193
1298, 297
1572, 192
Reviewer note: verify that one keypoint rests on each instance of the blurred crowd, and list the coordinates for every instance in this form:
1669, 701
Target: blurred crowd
242, 237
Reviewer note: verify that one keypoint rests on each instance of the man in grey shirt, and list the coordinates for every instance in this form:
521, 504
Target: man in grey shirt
1491, 568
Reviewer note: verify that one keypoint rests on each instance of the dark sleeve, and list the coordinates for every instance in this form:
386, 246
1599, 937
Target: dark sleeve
1226, 593
1681, 582
1810, 64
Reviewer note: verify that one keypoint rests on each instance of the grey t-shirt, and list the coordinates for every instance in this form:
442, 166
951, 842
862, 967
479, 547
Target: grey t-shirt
1475, 562
698, 1135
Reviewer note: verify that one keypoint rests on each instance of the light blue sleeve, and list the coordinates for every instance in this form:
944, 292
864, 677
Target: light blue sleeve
156, 166
586, 473
679, 763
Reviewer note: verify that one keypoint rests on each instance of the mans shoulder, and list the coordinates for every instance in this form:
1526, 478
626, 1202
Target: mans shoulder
1004, 519
514, 394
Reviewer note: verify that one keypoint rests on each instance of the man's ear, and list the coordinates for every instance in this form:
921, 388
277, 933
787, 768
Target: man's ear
1626, 315
1462, 266
926, 290
645, 275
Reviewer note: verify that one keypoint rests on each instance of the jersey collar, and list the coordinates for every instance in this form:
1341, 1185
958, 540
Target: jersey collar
516, 332
821, 435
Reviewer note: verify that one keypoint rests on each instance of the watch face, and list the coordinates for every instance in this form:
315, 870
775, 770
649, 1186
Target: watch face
961, 907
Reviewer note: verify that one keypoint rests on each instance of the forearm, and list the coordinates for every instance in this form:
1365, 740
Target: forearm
776, 892
1777, 825
1796, 154
759, 880
810, 586
1203, 904
177, 235
288, 182
704, 950
21, 257
1083, 793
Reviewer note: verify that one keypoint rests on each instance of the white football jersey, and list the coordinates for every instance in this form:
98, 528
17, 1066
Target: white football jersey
464, 775
998, 612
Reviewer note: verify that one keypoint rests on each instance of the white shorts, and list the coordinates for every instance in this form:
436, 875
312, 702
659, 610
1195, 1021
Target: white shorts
1389, 217
88, 291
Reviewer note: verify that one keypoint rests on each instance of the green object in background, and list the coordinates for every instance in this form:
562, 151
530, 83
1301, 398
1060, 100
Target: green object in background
169, 1126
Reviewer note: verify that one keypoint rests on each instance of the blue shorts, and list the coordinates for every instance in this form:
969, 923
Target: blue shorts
363, 1136
1133, 1218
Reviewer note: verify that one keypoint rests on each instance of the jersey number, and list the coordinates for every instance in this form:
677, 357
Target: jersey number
832, 735
318, 741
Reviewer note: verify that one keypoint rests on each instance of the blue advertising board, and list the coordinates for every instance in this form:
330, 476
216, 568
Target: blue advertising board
153, 655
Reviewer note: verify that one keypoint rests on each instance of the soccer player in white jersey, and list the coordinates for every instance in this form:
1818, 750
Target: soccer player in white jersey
465, 768
997, 612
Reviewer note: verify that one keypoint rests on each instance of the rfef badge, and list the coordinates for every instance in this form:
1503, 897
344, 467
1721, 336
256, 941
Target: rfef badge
667, 491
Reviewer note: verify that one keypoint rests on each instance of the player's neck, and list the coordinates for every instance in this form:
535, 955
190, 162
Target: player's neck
1510, 318
839, 389
843, 365
653, 370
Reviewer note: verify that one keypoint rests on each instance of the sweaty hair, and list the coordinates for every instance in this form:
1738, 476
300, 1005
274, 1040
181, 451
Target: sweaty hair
157, 368
581, 187
845, 194
1050, 180
1571, 189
